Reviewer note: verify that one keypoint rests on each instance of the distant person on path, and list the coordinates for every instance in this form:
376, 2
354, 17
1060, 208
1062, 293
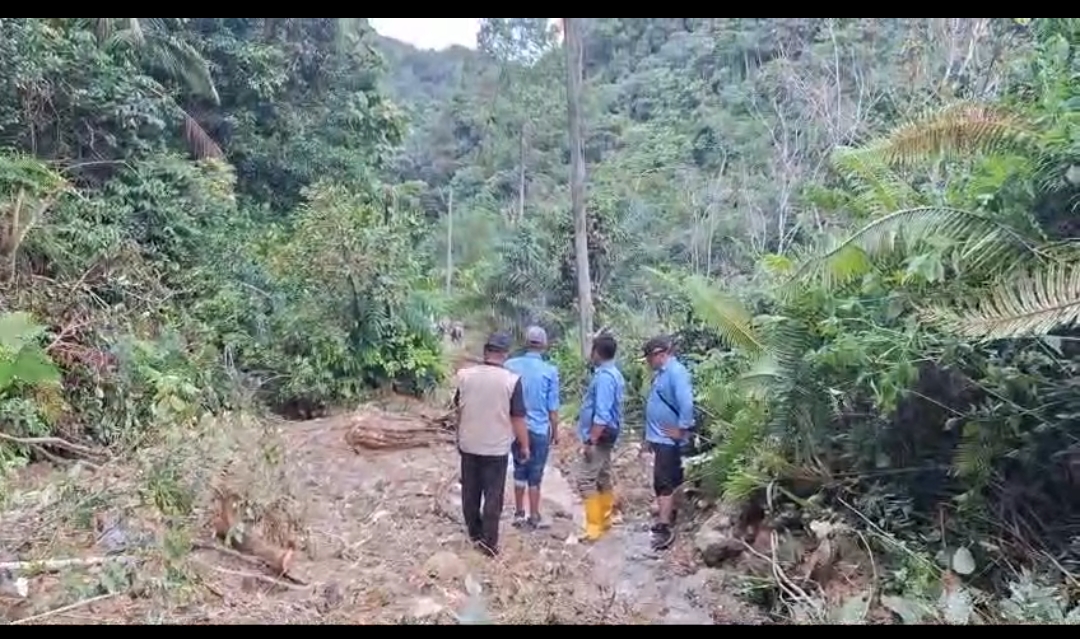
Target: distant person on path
491, 415
669, 419
599, 424
540, 386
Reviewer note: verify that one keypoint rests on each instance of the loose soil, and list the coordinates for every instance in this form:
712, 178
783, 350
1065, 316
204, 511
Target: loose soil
377, 536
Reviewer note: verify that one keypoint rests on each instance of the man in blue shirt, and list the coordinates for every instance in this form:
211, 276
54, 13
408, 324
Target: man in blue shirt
669, 419
599, 424
540, 383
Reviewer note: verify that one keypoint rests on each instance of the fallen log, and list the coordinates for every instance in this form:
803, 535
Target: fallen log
384, 431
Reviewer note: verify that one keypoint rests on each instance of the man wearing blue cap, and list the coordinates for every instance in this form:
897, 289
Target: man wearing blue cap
491, 415
540, 387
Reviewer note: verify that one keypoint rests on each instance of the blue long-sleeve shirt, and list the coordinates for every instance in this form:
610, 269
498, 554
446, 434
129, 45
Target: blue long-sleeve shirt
540, 387
672, 388
603, 401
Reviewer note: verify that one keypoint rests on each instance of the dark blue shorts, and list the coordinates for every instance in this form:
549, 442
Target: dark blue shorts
531, 473
667, 469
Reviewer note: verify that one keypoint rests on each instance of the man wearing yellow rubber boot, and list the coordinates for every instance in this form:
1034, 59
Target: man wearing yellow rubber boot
599, 424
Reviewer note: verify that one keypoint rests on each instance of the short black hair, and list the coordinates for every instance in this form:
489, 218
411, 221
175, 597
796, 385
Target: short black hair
658, 344
605, 346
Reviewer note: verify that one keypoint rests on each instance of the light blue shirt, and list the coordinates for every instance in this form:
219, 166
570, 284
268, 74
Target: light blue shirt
603, 401
540, 389
672, 383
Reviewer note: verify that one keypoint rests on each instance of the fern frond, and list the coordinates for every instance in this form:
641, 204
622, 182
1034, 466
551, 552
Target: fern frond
877, 187
742, 483
720, 312
1033, 304
974, 457
984, 243
958, 131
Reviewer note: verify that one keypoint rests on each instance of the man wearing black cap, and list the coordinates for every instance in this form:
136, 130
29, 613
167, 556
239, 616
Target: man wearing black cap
669, 418
491, 416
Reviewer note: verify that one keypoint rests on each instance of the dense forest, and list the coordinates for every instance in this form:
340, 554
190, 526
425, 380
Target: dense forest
858, 229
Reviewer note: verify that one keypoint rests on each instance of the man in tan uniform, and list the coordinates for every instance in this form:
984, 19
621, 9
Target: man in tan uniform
491, 416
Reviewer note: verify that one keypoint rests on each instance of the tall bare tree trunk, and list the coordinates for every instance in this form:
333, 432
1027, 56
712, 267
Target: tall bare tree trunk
574, 78
521, 175
450, 244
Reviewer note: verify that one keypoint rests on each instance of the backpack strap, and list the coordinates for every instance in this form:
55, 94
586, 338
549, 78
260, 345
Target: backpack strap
671, 406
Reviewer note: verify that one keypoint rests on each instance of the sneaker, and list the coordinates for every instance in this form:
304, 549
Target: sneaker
662, 538
539, 523
520, 520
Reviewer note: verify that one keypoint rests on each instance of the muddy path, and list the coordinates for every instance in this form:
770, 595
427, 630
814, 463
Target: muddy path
386, 543
379, 539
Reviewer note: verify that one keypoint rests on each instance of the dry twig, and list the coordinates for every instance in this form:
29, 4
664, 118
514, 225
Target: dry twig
63, 609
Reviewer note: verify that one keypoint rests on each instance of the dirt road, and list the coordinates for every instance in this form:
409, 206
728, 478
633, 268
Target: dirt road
385, 543
379, 540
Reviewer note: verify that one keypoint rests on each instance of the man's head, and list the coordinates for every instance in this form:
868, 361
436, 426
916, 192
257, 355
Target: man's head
604, 348
497, 347
657, 351
536, 339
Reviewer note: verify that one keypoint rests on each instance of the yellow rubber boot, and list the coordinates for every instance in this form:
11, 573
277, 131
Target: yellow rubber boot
607, 500
594, 518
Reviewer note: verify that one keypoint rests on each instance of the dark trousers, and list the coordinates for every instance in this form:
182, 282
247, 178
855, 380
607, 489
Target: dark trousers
483, 482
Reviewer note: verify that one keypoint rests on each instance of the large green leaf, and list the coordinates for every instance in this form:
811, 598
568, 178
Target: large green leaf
17, 330
33, 366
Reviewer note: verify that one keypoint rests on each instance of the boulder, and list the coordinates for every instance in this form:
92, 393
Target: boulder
722, 536
717, 547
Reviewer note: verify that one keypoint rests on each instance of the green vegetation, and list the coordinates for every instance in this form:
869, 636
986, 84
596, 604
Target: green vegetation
858, 228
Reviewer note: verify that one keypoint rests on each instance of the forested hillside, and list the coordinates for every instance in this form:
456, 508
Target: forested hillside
858, 229
855, 225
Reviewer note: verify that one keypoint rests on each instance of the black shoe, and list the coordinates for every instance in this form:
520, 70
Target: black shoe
662, 538
656, 527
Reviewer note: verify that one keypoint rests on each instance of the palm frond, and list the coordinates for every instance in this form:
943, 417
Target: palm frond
1033, 304
983, 242
878, 189
180, 60
958, 131
722, 313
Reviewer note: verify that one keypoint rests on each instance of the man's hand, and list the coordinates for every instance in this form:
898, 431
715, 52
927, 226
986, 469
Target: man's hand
673, 432
524, 453
554, 437
595, 433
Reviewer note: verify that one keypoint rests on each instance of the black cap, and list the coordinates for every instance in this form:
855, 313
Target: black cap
656, 345
498, 342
